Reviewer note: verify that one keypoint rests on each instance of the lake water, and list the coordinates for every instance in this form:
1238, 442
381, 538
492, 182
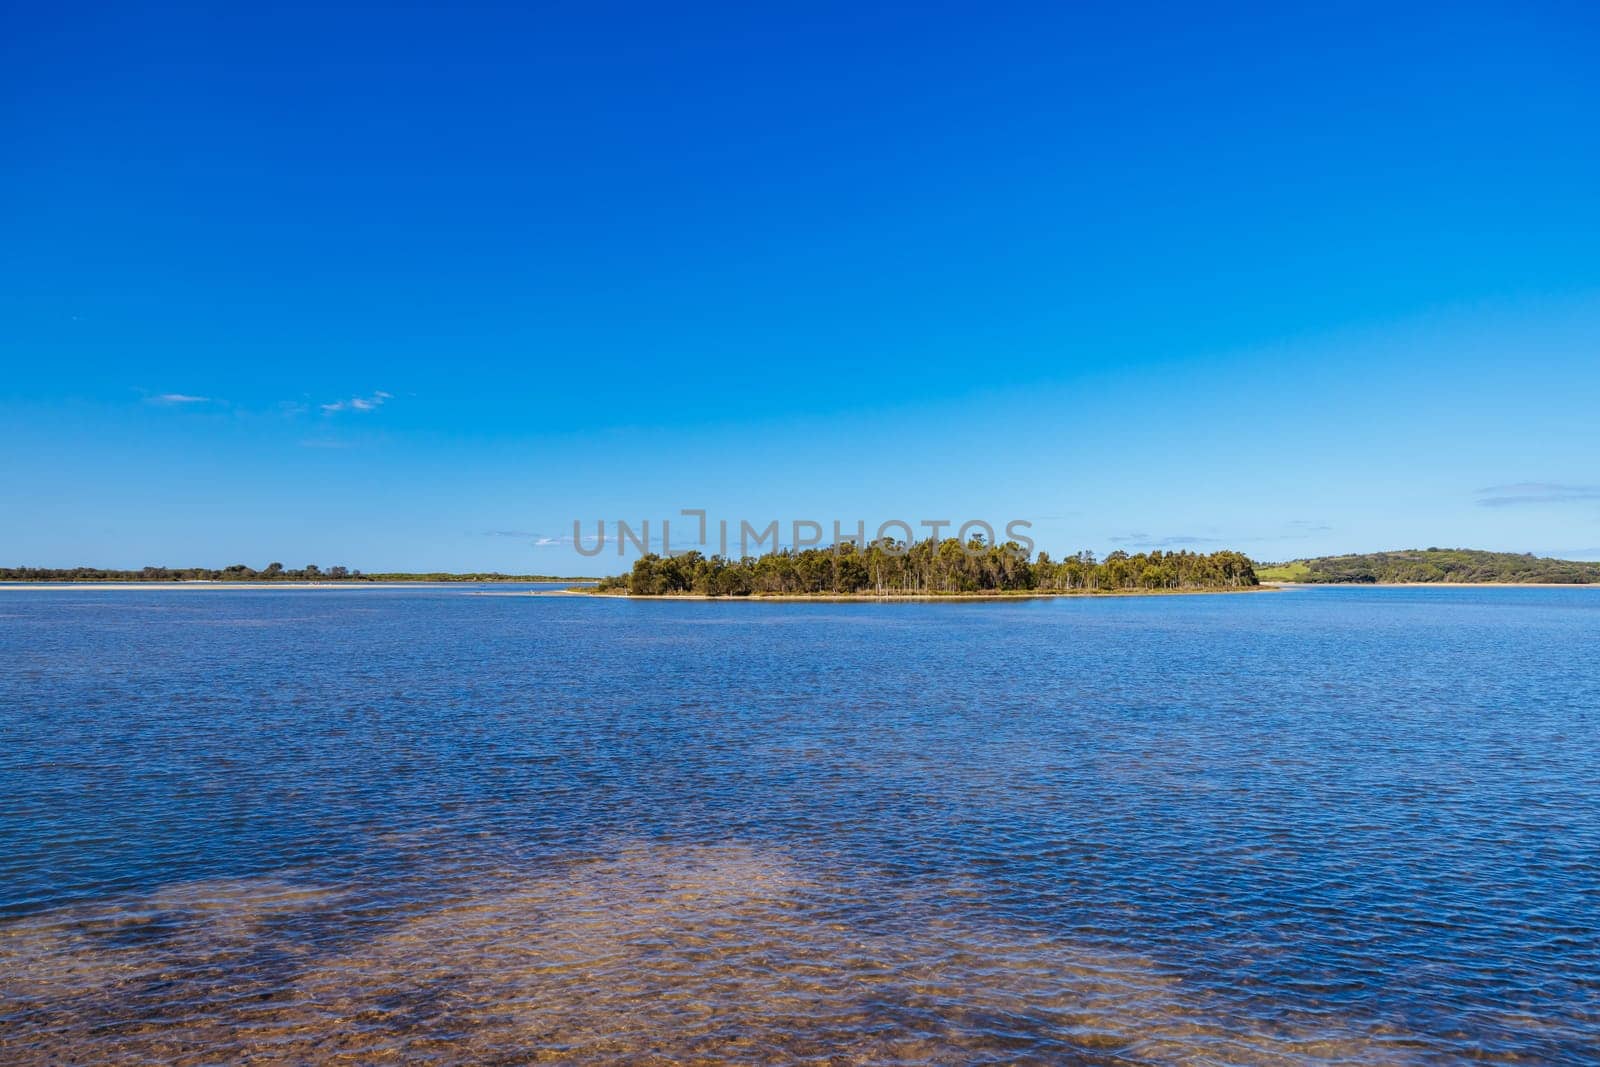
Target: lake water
375, 825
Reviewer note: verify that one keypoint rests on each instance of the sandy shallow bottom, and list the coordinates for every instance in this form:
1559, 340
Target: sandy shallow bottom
643, 954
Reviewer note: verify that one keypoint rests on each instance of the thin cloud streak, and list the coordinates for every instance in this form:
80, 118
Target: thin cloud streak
359, 403
1581, 554
534, 540
177, 399
1522, 493
1144, 540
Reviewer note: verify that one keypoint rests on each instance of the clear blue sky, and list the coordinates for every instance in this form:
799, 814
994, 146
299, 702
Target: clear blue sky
401, 288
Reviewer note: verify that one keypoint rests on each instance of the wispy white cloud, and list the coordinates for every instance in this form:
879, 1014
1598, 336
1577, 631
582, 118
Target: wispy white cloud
176, 399
1293, 530
535, 540
359, 403
1521, 493
1144, 540
1588, 554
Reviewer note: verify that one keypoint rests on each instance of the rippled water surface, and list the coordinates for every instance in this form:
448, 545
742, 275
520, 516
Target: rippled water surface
411, 825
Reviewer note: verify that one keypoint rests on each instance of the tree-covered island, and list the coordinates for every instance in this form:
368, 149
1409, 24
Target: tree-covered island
928, 568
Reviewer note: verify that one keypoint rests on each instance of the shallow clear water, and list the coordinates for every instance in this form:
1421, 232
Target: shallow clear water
365, 825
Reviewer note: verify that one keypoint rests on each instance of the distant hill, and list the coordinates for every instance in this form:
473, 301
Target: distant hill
1433, 565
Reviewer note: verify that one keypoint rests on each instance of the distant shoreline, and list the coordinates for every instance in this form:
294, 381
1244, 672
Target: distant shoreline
420, 583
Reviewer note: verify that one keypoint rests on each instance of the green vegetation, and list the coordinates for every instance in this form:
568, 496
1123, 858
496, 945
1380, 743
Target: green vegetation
927, 568
1434, 565
1294, 571
273, 572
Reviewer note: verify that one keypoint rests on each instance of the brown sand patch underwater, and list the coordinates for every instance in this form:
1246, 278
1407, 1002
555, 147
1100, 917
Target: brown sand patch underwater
646, 954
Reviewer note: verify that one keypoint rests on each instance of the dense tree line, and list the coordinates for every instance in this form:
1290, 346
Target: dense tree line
927, 568
1447, 565
272, 572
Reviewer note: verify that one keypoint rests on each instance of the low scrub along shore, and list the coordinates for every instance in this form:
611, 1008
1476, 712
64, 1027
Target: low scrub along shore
273, 573
928, 569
